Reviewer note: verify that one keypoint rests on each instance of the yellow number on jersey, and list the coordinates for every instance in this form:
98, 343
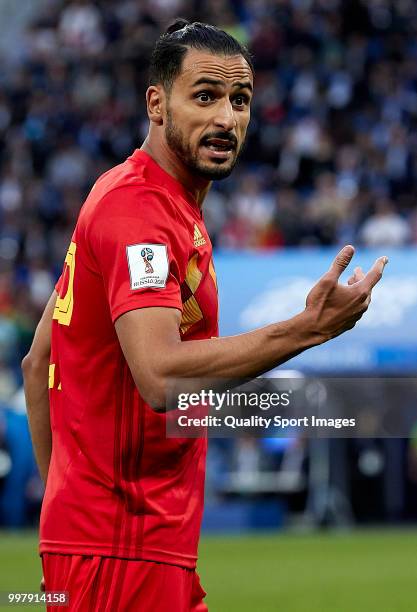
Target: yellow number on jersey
64, 305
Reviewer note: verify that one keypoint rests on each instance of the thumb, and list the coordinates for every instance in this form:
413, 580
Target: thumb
341, 261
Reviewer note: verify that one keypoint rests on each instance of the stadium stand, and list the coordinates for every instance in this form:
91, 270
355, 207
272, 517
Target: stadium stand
331, 153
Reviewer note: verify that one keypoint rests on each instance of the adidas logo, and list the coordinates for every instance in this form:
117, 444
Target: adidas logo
199, 239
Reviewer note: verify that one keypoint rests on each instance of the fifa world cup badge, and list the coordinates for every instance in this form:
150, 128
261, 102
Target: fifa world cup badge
148, 265
147, 255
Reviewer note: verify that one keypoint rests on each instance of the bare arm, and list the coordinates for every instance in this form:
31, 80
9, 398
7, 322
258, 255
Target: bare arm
151, 342
35, 367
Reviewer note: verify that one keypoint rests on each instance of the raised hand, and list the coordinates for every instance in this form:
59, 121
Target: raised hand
335, 308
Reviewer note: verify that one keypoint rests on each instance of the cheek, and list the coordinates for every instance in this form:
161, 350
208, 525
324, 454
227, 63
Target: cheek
179, 114
189, 122
197, 122
245, 118
196, 133
243, 126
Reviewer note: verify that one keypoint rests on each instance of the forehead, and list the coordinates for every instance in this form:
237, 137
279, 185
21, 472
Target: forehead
202, 63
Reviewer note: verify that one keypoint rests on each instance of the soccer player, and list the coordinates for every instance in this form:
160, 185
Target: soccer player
135, 306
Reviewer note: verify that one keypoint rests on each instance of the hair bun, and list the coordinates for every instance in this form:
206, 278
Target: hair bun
178, 24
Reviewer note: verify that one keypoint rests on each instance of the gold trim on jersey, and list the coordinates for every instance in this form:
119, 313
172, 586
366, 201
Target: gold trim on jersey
191, 313
212, 273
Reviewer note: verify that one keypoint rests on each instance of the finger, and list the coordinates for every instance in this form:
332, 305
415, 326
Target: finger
357, 276
42, 587
375, 273
341, 262
359, 273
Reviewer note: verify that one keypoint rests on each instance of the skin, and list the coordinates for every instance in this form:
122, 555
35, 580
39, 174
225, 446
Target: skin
181, 122
35, 368
210, 98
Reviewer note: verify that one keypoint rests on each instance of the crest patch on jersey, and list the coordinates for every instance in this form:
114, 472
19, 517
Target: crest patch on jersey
148, 265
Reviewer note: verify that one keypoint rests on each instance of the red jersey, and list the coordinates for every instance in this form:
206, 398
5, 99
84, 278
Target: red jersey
116, 485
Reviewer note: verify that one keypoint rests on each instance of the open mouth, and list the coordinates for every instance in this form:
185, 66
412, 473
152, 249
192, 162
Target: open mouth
219, 144
220, 148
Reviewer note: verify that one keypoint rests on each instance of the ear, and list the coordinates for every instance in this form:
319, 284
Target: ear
155, 101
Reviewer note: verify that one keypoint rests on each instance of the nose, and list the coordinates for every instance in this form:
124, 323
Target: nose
225, 117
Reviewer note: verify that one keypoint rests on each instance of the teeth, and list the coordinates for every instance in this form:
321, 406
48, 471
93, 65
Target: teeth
218, 147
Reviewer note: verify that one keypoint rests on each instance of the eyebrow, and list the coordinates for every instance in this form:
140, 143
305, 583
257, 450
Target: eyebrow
216, 82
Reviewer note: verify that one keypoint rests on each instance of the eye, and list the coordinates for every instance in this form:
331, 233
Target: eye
204, 96
241, 100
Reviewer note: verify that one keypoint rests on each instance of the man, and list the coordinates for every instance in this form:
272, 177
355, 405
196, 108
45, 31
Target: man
136, 307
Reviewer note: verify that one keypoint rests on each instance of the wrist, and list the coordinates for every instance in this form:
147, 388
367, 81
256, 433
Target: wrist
305, 330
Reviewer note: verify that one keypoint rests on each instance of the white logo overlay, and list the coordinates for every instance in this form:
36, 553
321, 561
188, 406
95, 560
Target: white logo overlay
148, 265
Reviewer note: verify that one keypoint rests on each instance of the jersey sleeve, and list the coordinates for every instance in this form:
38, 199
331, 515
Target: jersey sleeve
58, 284
137, 241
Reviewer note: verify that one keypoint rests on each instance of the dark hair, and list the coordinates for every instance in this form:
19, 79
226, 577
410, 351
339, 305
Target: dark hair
171, 47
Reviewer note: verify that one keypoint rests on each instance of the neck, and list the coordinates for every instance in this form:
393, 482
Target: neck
166, 158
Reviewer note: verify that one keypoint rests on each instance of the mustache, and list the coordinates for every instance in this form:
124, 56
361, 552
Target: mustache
231, 138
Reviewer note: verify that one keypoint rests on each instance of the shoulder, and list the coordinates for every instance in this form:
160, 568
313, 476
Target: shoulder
131, 213
135, 200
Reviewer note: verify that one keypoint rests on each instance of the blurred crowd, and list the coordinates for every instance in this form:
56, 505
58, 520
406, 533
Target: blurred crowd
331, 153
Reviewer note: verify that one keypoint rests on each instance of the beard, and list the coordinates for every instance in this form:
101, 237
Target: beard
177, 142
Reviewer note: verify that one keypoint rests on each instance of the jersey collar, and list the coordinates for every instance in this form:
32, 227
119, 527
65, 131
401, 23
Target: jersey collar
162, 178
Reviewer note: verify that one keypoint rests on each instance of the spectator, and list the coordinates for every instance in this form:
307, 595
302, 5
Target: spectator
385, 227
80, 28
331, 150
